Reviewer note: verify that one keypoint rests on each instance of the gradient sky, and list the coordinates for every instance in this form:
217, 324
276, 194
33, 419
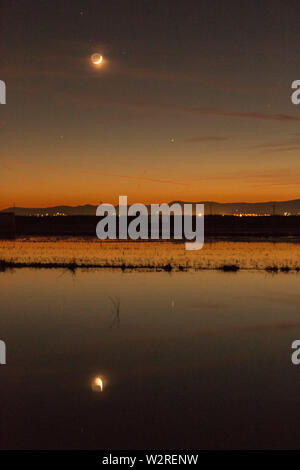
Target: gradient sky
192, 101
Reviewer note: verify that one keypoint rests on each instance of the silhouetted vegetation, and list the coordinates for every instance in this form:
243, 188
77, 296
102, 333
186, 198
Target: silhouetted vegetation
73, 266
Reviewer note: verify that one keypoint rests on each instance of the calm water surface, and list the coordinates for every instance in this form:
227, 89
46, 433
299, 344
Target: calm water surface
191, 360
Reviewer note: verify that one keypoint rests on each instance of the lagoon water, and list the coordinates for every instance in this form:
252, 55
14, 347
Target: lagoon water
189, 360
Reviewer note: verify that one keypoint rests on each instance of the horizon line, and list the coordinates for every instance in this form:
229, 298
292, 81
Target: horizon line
147, 204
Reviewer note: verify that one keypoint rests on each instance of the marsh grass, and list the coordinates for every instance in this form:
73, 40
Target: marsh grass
158, 256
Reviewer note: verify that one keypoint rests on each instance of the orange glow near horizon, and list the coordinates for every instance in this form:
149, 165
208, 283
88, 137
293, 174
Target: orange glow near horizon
54, 191
84, 173
38, 202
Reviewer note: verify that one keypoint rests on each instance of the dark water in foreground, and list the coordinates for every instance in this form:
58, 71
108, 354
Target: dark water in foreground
194, 360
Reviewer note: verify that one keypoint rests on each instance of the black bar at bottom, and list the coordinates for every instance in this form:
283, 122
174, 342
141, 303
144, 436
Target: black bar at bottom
135, 459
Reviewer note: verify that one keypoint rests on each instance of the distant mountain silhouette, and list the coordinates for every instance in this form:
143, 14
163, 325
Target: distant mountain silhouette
211, 208
87, 209
270, 207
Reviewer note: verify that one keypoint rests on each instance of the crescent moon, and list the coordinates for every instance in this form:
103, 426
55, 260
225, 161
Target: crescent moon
98, 60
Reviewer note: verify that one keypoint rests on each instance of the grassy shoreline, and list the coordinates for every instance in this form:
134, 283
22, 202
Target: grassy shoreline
73, 266
220, 256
